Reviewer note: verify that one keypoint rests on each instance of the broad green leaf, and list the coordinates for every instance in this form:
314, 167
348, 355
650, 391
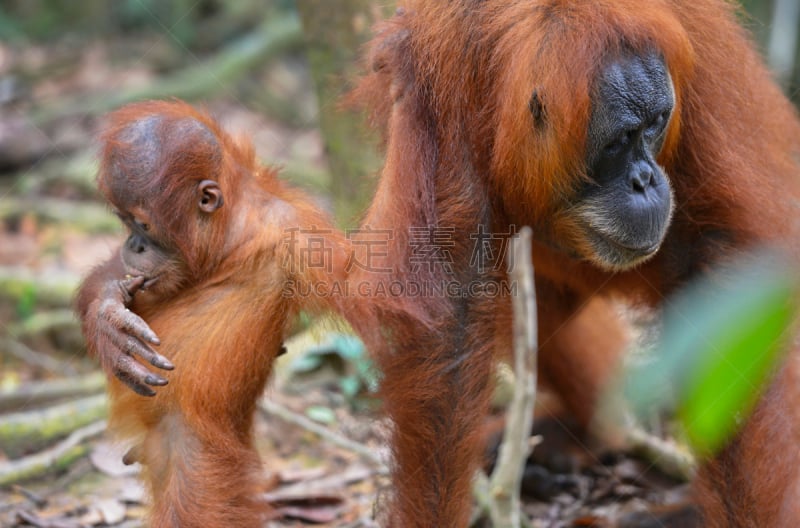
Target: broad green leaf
720, 343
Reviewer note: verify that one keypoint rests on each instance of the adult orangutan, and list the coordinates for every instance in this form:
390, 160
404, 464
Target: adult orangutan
216, 243
644, 142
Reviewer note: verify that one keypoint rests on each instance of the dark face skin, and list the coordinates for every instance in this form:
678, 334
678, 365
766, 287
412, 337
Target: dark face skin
149, 254
144, 256
625, 211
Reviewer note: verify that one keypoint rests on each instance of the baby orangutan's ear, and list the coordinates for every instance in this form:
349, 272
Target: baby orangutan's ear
209, 196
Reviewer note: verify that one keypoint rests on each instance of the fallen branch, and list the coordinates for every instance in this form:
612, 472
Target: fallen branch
18, 284
329, 484
271, 408
57, 457
23, 431
77, 172
40, 393
34, 358
212, 75
88, 216
42, 322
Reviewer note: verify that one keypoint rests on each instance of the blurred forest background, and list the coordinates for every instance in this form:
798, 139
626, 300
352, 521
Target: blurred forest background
275, 71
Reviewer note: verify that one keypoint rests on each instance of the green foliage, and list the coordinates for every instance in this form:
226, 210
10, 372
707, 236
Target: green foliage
321, 414
719, 347
26, 304
189, 23
347, 353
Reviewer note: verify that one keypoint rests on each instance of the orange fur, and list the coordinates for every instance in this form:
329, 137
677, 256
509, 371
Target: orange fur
449, 87
224, 319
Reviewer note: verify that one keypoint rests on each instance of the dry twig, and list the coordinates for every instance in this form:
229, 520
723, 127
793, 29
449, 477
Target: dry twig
271, 408
58, 456
500, 495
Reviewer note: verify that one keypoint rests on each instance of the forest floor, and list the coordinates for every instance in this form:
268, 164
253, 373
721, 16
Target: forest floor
320, 433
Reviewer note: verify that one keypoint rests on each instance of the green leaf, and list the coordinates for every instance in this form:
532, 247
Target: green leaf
321, 414
350, 386
26, 305
308, 362
349, 347
735, 360
720, 343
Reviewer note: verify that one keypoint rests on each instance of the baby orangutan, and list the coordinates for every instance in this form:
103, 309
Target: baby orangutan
214, 249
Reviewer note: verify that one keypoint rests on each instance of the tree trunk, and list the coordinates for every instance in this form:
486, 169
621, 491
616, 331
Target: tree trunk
335, 31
